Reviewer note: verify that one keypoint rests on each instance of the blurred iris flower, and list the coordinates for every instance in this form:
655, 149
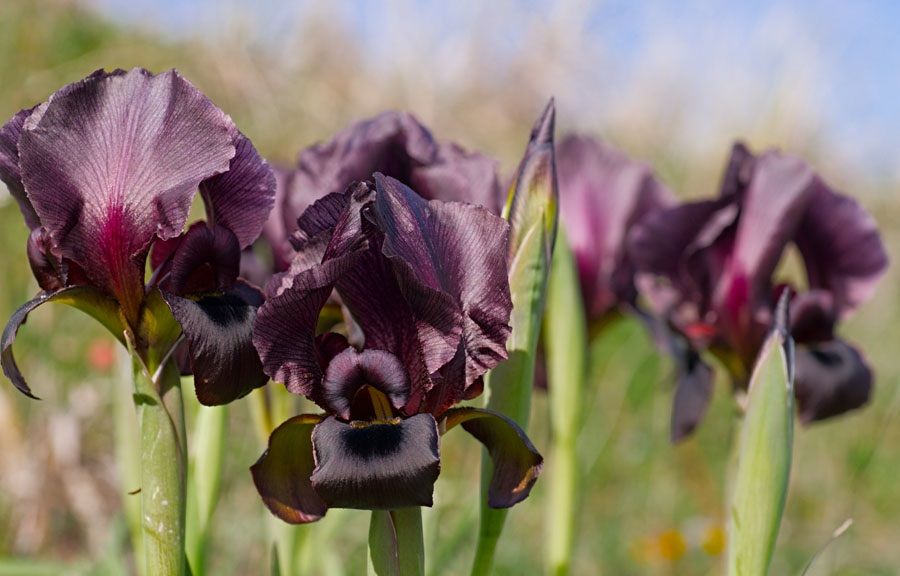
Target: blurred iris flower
105, 172
425, 284
393, 143
708, 267
603, 194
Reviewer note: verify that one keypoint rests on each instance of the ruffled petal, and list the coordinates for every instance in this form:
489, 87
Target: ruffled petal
114, 160
841, 248
603, 193
517, 463
377, 466
431, 246
831, 378
85, 298
282, 473
241, 198
218, 329
10, 173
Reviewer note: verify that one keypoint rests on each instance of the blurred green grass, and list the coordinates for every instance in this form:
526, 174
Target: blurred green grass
649, 507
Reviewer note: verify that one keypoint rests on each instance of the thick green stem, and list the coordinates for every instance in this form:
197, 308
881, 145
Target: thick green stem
163, 469
128, 458
396, 544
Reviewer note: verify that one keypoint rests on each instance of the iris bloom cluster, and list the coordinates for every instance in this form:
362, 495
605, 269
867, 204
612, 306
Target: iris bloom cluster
104, 173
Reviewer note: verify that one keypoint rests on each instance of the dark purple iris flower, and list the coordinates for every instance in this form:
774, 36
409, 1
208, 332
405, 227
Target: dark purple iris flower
393, 143
104, 172
709, 269
424, 284
602, 194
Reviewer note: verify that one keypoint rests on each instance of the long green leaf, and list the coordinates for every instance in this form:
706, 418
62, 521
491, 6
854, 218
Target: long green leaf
532, 213
565, 345
764, 455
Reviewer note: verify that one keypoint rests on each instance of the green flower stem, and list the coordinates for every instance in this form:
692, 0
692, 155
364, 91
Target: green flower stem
128, 457
204, 480
565, 343
163, 468
396, 544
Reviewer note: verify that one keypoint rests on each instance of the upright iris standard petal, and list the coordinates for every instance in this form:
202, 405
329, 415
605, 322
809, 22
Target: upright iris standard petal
282, 473
602, 194
832, 378
431, 246
377, 466
10, 172
841, 248
85, 298
517, 463
218, 329
241, 198
113, 161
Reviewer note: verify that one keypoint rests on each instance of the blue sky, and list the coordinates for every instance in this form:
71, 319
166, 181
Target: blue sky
847, 52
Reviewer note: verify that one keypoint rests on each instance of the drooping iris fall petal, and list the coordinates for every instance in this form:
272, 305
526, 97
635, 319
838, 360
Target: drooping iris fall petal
113, 161
832, 378
218, 330
517, 463
376, 466
282, 473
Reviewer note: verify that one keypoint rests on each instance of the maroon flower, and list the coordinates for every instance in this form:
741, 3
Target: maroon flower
709, 269
393, 143
104, 172
425, 285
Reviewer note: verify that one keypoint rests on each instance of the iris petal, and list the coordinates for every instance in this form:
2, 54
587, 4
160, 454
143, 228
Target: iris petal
517, 463
113, 161
85, 298
349, 370
377, 466
218, 330
602, 194
693, 393
431, 246
10, 173
831, 378
241, 198
282, 473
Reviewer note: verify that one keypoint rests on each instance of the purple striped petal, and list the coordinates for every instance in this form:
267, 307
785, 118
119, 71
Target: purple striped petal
113, 161
10, 172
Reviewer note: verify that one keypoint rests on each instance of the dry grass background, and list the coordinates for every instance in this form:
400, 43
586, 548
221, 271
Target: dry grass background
650, 508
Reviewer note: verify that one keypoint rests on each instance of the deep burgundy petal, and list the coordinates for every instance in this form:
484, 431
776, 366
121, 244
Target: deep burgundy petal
114, 160
376, 466
693, 393
284, 334
456, 174
85, 298
517, 463
281, 474
350, 370
207, 258
841, 248
218, 330
450, 260
813, 316
241, 198
603, 193
831, 378
10, 173
46, 267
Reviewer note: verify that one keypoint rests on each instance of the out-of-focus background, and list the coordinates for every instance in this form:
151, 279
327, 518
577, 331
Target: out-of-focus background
672, 83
